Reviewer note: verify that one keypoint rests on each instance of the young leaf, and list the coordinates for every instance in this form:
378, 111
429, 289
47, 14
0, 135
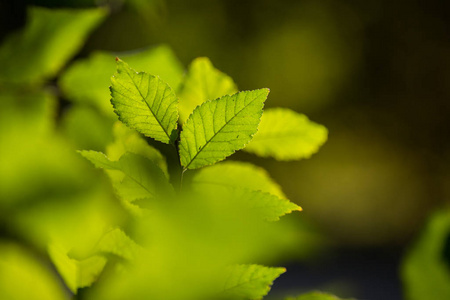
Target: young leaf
249, 281
314, 296
139, 177
287, 135
236, 174
76, 273
86, 81
50, 38
128, 140
203, 82
218, 128
118, 243
145, 103
267, 206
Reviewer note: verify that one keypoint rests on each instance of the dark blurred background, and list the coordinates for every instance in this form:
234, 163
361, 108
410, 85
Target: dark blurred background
376, 73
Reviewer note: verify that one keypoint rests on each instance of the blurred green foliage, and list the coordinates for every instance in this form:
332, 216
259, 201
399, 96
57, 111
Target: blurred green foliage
426, 268
64, 215
374, 71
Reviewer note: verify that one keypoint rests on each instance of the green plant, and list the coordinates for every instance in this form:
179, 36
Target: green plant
185, 226
231, 203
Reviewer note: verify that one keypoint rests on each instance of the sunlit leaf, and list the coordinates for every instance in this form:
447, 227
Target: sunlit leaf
50, 38
287, 135
203, 82
425, 270
138, 178
267, 206
128, 140
249, 281
145, 103
218, 128
76, 273
87, 80
118, 243
237, 174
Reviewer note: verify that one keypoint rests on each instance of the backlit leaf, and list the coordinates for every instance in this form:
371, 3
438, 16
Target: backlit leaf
267, 206
202, 82
76, 273
236, 174
287, 135
128, 140
249, 281
218, 128
118, 243
145, 103
138, 178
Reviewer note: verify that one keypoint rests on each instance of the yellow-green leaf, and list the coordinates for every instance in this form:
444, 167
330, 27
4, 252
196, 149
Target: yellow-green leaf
236, 174
287, 135
249, 281
76, 273
218, 128
267, 206
138, 178
128, 140
202, 82
145, 103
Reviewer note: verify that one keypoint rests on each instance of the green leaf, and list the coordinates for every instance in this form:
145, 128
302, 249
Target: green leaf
87, 80
118, 243
236, 174
287, 135
138, 178
145, 103
128, 140
76, 273
218, 128
267, 206
249, 281
51, 37
203, 82
314, 296
425, 272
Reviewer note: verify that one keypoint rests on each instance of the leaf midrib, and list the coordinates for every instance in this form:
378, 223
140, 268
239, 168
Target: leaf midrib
142, 96
208, 141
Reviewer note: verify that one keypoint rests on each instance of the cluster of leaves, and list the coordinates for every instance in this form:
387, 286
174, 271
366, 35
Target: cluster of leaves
211, 237
215, 122
204, 238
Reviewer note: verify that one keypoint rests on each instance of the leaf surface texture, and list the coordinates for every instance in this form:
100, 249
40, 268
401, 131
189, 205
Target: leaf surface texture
218, 128
145, 103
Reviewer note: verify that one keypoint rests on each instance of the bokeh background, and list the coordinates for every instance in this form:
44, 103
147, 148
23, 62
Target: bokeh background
376, 73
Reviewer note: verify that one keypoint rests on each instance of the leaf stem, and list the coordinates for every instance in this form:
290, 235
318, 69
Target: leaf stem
181, 178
